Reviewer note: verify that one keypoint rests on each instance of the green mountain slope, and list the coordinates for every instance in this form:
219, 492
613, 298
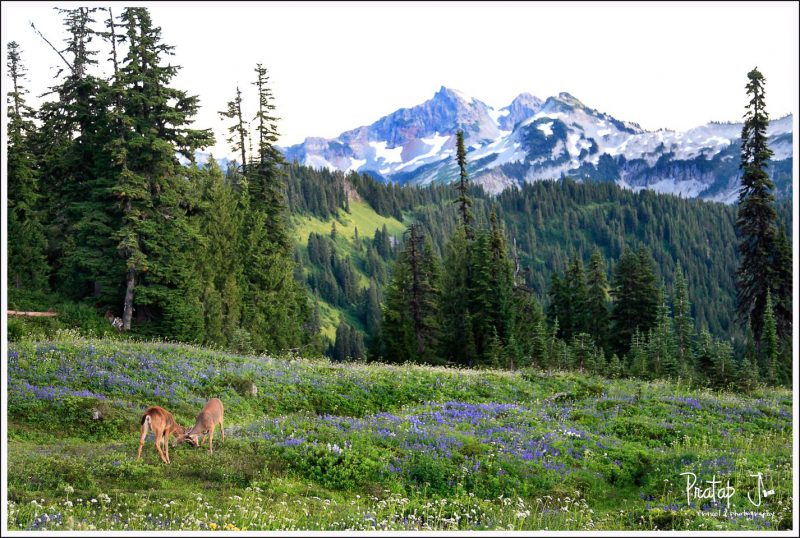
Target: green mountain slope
545, 221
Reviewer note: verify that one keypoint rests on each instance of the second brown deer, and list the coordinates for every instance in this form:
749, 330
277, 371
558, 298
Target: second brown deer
207, 420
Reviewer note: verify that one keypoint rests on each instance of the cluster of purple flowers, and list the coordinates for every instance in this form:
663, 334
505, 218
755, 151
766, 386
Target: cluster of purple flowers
25, 389
441, 430
46, 520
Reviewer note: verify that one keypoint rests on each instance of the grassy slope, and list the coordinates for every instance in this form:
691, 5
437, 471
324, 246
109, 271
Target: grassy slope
358, 446
361, 216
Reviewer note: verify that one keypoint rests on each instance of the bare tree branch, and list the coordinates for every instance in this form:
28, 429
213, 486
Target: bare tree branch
51, 46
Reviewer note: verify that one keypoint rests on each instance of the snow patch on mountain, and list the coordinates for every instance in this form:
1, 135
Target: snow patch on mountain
435, 142
355, 164
388, 155
546, 128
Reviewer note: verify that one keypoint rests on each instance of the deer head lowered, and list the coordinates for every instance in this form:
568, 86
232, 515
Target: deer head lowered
209, 417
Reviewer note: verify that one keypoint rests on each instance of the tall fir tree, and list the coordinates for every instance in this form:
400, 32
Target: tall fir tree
769, 346
755, 221
575, 283
635, 297
458, 345
238, 129
372, 309
558, 310
267, 177
151, 184
410, 326
684, 324
662, 347
464, 201
597, 300
782, 294
220, 216
502, 268
481, 293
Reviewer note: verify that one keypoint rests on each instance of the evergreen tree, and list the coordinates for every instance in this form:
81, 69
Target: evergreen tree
27, 264
150, 182
747, 374
704, 356
722, 358
577, 293
342, 346
275, 306
647, 288
637, 357
597, 299
635, 297
410, 326
480, 293
769, 337
614, 369
750, 353
529, 331
755, 222
372, 309
662, 347
69, 145
782, 296
540, 343
502, 281
494, 351
267, 177
464, 201
582, 352
237, 131
559, 308
458, 344
220, 271
684, 324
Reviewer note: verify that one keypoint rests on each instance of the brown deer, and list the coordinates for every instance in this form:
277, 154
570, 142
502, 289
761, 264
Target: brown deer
209, 417
163, 425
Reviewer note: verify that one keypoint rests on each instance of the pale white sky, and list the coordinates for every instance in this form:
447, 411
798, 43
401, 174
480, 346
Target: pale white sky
337, 66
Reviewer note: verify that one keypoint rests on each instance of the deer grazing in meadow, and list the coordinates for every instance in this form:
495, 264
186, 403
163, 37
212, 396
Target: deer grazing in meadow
209, 417
163, 425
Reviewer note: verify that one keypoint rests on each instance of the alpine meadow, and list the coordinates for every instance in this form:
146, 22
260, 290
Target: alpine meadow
456, 318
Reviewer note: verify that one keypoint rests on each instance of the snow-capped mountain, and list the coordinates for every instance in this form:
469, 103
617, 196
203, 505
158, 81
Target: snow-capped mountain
531, 139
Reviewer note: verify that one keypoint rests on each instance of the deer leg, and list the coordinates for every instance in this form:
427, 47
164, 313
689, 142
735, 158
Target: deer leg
211, 440
166, 445
222, 429
141, 440
159, 438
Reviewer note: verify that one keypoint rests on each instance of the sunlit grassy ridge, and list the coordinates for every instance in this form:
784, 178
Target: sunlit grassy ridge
367, 221
358, 446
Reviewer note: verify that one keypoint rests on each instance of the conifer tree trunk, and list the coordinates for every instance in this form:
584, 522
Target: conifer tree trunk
127, 311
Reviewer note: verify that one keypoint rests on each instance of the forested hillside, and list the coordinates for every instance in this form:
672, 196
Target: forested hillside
548, 221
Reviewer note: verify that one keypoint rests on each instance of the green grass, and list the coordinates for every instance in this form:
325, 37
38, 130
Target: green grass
369, 446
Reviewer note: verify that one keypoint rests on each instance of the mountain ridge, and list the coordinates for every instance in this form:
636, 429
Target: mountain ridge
531, 139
